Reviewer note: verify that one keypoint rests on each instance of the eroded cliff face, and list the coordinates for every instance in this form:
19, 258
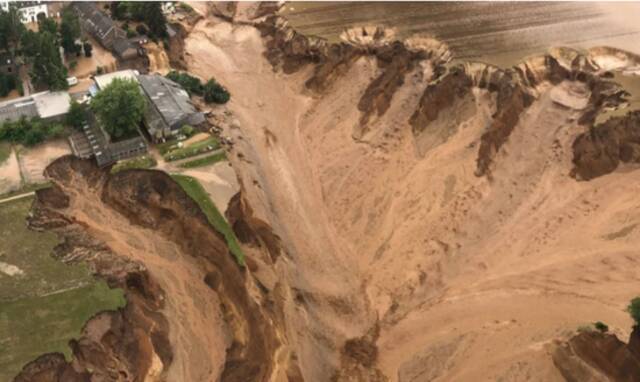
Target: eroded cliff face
187, 298
427, 198
601, 149
379, 248
595, 356
449, 87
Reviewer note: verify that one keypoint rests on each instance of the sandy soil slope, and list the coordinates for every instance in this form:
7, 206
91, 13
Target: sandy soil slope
10, 174
198, 351
34, 160
469, 278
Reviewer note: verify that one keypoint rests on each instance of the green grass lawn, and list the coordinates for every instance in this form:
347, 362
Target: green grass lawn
33, 326
165, 147
5, 151
46, 303
195, 190
204, 161
175, 153
144, 161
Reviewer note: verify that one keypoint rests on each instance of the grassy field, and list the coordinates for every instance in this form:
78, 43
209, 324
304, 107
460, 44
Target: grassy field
43, 302
175, 153
32, 326
144, 161
204, 161
5, 151
195, 190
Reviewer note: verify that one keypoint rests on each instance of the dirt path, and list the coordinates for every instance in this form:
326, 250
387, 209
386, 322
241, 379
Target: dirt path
16, 197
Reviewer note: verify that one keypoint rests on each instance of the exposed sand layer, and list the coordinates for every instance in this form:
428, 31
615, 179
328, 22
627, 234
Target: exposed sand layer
468, 278
34, 160
10, 174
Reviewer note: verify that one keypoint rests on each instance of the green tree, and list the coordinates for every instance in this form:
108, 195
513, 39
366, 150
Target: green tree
30, 41
11, 29
148, 12
190, 83
120, 107
47, 24
7, 84
47, 69
155, 20
187, 130
634, 310
88, 49
69, 30
29, 132
214, 92
601, 327
77, 115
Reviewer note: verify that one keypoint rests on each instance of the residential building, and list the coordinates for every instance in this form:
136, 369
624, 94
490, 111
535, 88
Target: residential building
169, 107
125, 50
129, 52
29, 10
98, 24
94, 142
103, 80
46, 105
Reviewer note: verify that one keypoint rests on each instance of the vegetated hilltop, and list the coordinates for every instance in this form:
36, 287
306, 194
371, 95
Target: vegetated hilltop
403, 217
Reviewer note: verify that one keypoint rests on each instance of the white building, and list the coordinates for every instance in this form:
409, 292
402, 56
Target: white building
29, 10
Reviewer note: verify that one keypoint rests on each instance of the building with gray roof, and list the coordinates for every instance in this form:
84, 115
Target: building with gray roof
98, 24
94, 142
46, 105
169, 107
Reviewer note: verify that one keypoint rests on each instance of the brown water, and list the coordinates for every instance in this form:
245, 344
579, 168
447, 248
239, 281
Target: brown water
499, 33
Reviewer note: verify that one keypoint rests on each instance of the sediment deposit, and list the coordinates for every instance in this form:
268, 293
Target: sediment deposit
405, 217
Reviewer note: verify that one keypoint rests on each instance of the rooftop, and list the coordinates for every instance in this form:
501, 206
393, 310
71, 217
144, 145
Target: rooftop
44, 105
52, 104
121, 45
92, 15
104, 80
170, 100
94, 141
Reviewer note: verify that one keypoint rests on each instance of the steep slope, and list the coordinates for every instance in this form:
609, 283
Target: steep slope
189, 313
375, 183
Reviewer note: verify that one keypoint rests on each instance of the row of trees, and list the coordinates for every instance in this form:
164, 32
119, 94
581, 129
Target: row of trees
212, 91
30, 132
147, 12
11, 29
41, 49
